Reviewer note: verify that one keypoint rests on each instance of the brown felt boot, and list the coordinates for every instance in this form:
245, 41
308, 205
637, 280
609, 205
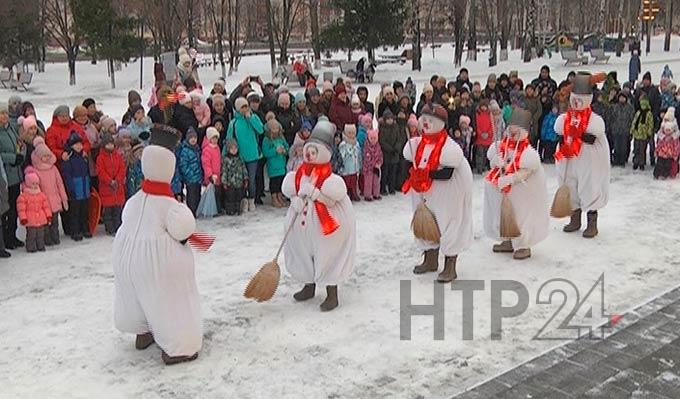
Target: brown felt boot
144, 341
331, 301
170, 360
522, 253
430, 262
575, 223
591, 229
307, 292
449, 272
504, 247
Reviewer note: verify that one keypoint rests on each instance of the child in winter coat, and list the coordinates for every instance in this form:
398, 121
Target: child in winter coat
336, 158
274, 149
620, 118
350, 151
134, 175
212, 163
642, 130
190, 169
43, 161
372, 162
201, 109
355, 105
34, 212
76, 174
295, 157
463, 135
112, 173
140, 125
484, 135
392, 145
548, 144
234, 179
365, 124
667, 147
498, 121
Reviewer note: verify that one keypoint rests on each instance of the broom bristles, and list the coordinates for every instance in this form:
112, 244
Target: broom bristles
509, 228
561, 206
424, 224
264, 283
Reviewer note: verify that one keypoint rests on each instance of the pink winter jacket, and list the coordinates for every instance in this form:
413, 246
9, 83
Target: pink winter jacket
202, 114
33, 208
211, 160
51, 183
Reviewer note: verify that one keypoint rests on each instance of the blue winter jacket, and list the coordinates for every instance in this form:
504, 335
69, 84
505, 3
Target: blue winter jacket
189, 160
548, 128
634, 68
362, 135
76, 175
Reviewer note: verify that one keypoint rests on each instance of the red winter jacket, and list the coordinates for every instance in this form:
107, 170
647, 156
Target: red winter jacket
57, 135
111, 167
484, 129
341, 114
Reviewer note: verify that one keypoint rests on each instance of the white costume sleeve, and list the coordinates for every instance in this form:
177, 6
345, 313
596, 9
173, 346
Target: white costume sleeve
288, 185
529, 164
333, 190
452, 155
180, 222
596, 126
492, 155
559, 125
407, 148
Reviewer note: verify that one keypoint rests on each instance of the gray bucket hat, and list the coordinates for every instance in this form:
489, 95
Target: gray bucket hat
521, 118
582, 83
323, 133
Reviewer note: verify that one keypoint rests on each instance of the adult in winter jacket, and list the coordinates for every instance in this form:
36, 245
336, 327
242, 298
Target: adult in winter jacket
4, 207
621, 117
425, 99
392, 140
634, 67
491, 91
43, 161
340, 112
544, 80
290, 122
161, 113
246, 128
368, 106
59, 132
133, 98
183, 117
389, 101
27, 109
190, 169
12, 153
534, 106
462, 80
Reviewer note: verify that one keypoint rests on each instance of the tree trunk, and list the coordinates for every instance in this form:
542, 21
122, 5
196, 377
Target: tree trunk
270, 33
113, 73
371, 55
530, 31
669, 25
619, 40
601, 28
71, 68
190, 22
415, 36
459, 23
472, 31
314, 25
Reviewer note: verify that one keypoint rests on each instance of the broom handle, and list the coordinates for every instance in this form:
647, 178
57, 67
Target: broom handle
285, 236
413, 160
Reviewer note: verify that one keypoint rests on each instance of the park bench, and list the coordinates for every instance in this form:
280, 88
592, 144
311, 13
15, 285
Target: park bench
5, 77
572, 57
348, 67
24, 81
599, 55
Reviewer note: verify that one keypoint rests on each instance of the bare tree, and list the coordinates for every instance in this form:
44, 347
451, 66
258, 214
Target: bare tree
270, 34
619, 40
472, 30
60, 27
415, 36
490, 17
457, 17
314, 26
216, 11
505, 25
669, 25
284, 15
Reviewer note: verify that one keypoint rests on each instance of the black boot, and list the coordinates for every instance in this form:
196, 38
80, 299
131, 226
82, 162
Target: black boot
331, 301
307, 292
591, 230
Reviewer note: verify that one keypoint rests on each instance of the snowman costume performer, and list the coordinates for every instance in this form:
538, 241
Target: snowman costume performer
321, 246
156, 294
583, 156
441, 176
516, 172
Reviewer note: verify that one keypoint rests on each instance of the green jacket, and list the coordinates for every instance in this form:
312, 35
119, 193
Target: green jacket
536, 109
245, 132
276, 163
9, 149
643, 124
234, 172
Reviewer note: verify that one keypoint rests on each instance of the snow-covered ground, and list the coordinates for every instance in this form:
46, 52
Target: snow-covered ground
56, 331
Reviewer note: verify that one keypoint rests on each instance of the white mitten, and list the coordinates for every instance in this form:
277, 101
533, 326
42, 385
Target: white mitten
316, 193
298, 204
306, 189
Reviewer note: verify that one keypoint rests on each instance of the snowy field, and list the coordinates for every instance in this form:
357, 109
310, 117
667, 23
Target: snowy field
57, 336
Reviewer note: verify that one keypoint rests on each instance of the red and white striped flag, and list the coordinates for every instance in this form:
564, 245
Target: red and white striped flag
201, 242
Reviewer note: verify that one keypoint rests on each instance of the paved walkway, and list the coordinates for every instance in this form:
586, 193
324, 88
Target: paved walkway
640, 359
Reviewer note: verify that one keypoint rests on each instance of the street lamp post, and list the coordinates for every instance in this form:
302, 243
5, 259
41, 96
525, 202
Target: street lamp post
649, 10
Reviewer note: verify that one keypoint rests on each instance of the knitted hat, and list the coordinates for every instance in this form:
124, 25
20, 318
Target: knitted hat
300, 98
164, 136
283, 99
218, 98
62, 110
87, 102
437, 111
350, 129
253, 97
134, 97
184, 98
32, 180
355, 100
240, 103
366, 119
412, 121
340, 89
73, 139
191, 132
313, 92
107, 122
582, 84
327, 86
273, 124
220, 82
27, 122
106, 139
184, 58
211, 132
520, 118
137, 148
387, 114
387, 89
493, 105
464, 119
373, 134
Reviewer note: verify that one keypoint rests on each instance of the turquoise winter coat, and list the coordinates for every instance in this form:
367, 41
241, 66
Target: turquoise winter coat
276, 163
246, 132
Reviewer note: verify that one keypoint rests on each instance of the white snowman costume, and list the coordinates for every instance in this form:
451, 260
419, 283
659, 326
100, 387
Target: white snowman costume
321, 246
153, 268
445, 184
516, 167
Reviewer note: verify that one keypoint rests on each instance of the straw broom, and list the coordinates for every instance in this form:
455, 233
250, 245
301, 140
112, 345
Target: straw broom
424, 224
561, 206
509, 227
264, 283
